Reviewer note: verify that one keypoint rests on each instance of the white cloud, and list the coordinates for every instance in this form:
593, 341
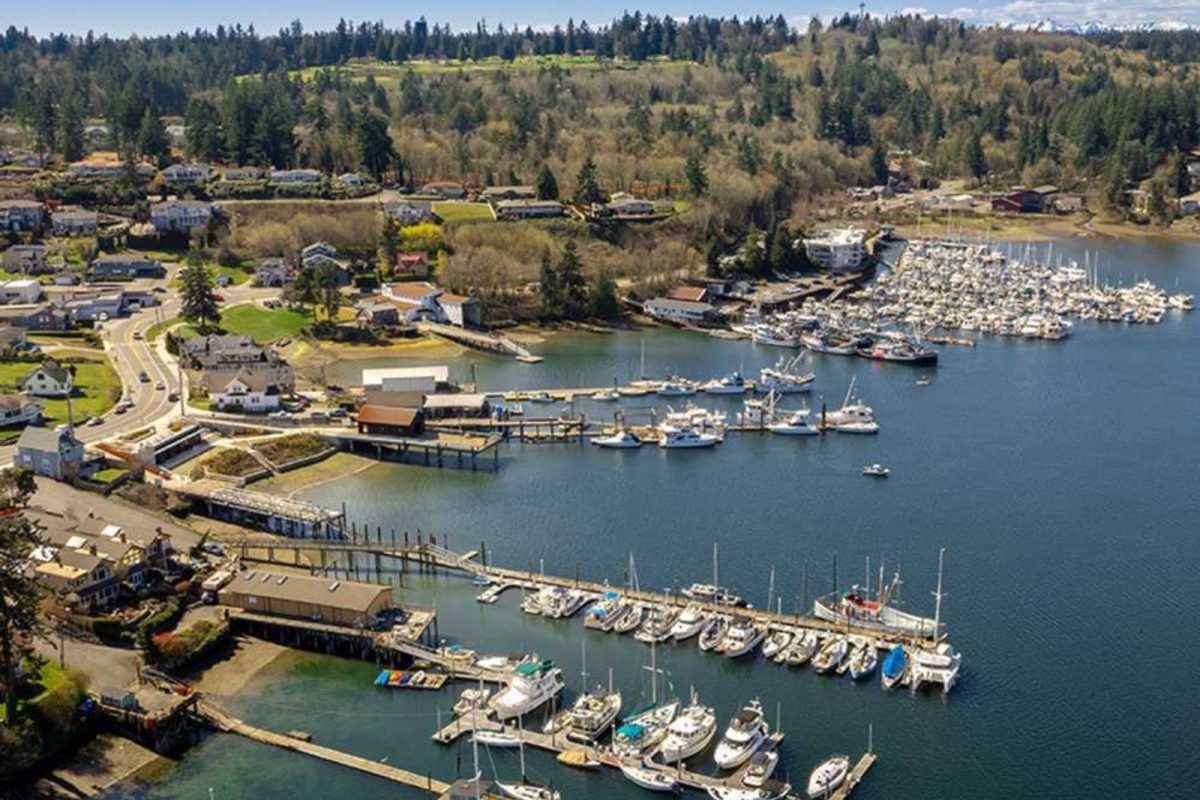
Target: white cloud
1113, 13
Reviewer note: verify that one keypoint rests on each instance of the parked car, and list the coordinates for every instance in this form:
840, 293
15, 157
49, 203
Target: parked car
143, 377
94, 421
173, 396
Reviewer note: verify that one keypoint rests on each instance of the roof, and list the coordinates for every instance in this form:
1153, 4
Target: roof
455, 400
347, 595
13, 402
693, 294
43, 439
257, 380
1047, 188
54, 370
378, 397
454, 298
370, 377
388, 415
678, 305
20, 204
414, 290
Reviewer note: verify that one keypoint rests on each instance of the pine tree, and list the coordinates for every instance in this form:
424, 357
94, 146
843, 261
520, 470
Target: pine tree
973, 160
879, 165
697, 177
571, 283
71, 135
551, 299
587, 190
199, 302
376, 152
712, 258
152, 141
546, 184
604, 298
20, 594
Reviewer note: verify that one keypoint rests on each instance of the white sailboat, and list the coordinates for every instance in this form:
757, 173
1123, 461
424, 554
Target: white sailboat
523, 790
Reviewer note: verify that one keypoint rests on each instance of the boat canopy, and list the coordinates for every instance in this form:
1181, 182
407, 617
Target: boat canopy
533, 667
631, 730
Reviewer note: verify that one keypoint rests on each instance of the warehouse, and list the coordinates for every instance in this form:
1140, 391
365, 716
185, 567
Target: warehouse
325, 600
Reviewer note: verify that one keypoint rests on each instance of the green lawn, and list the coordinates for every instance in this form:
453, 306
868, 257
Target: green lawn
237, 275
463, 212
264, 324
107, 475
97, 389
49, 678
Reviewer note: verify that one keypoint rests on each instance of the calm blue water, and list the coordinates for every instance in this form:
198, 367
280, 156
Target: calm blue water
1060, 476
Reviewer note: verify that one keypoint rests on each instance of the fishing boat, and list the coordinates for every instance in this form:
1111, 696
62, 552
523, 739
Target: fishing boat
795, 424
713, 632
733, 383
863, 660
623, 439
770, 790
651, 779
592, 713
533, 684
895, 667
939, 666
784, 379
762, 765
606, 612
854, 416
470, 700
685, 438
689, 623
831, 655
496, 738
777, 642
689, 733
824, 342
742, 637
899, 351
802, 649
676, 387
746, 733
579, 759
876, 471
856, 608
827, 777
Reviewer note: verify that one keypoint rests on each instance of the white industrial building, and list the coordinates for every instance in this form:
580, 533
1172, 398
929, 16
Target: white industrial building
837, 249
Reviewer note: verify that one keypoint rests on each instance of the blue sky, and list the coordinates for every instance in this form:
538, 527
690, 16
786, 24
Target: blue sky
123, 17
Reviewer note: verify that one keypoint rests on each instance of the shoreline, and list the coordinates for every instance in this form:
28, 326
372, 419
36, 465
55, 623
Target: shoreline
1047, 227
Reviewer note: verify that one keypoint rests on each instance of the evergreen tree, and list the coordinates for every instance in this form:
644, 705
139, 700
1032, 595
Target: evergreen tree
203, 138
152, 141
571, 284
696, 175
376, 151
604, 298
327, 277
974, 162
196, 290
20, 593
72, 143
879, 165
815, 76
550, 307
712, 258
587, 190
546, 184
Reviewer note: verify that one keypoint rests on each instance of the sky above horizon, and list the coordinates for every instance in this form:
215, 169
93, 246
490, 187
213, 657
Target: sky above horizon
144, 17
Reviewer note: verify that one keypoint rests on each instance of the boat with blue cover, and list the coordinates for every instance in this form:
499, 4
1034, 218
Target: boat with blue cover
895, 665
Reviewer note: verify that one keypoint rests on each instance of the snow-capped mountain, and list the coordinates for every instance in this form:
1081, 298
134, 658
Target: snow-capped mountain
1051, 25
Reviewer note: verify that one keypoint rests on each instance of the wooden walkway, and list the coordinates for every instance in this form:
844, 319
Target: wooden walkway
855, 777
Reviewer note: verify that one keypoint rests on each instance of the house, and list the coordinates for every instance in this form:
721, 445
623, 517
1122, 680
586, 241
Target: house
496, 193
236, 174
38, 317
51, 379
1009, 204
1026, 201
107, 168
21, 158
273, 272
1139, 201
65, 277
406, 379
391, 421
416, 264
12, 338
318, 250
250, 389
23, 291
180, 215
409, 212
91, 559
326, 600
1068, 204
678, 310
838, 249
26, 259
21, 215
460, 310
376, 313
622, 204
129, 551
207, 351
79, 572
1189, 204
52, 453
349, 180
295, 176
414, 300
689, 294
448, 190
529, 209
97, 307
185, 173
74, 222
125, 267
17, 409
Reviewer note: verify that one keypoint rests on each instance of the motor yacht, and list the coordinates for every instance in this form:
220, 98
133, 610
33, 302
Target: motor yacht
658, 625
563, 602
795, 424
623, 439
676, 387
770, 790
733, 383
471, 700
827, 777
689, 623
762, 765
742, 637
746, 733
685, 438
533, 684
689, 733
592, 714
709, 593
632, 620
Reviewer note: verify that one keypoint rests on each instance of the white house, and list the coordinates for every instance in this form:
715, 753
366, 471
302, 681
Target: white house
348, 179
249, 389
678, 310
415, 300
318, 249
74, 222
838, 249
17, 409
185, 173
409, 212
459, 310
180, 215
529, 209
107, 168
51, 379
295, 176
21, 292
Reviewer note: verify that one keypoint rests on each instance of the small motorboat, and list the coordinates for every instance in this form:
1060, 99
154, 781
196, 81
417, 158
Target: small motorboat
650, 779
470, 700
796, 424
895, 666
606, 396
579, 759
863, 660
523, 791
828, 776
762, 764
623, 439
713, 633
770, 790
732, 383
776, 643
496, 738
876, 471
541, 397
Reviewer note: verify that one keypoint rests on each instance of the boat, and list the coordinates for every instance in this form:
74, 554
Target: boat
641, 733
796, 424
711, 593
854, 416
606, 612
562, 603
863, 660
658, 625
713, 632
895, 667
876, 471
823, 342
579, 759
937, 666
471, 699
742, 637
606, 396
651, 779
856, 608
623, 439
733, 383
537, 602
746, 733
827, 777
503, 663
515, 409
685, 438
776, 643
831, 655
496, 738
802, 649
457, 656
632, 620
558, 721
762, 765
770, 790
689, 733
783, 379
635, 391
533, 685
523, 790
899, 351
540, 397
689, 623
773, 337
592, 714
676, 387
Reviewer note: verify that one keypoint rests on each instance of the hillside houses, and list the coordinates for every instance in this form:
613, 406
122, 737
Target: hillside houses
183, 173
99, 167
50, 379
409, 212
73, 221
20, 216
529, 209
295, 176
180, 216
89, 561
51, 453
125, 267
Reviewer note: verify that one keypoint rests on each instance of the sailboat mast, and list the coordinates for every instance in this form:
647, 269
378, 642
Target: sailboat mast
771, 589
937, 605
475, 741
716, 582
653, 671
521, 745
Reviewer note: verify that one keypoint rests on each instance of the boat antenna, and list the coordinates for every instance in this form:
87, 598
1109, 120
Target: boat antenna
938, 595
716, 582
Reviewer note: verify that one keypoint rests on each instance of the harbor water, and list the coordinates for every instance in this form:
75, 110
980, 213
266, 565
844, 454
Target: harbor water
1060, 476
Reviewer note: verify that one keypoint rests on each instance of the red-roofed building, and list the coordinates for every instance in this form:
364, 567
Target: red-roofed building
690, 294
413, 263
390, 421
421, 300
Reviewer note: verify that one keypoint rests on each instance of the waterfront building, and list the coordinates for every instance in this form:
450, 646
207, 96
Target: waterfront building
837, 249
327, 600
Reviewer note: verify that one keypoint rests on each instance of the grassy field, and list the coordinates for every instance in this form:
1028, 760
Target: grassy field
463, 212
264, 324
237, 275
107, 475
97, 389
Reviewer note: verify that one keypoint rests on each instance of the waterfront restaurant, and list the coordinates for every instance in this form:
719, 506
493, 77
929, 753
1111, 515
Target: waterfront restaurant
327, 600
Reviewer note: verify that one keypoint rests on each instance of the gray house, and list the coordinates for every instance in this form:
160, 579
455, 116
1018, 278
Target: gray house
126, 267
52, 453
